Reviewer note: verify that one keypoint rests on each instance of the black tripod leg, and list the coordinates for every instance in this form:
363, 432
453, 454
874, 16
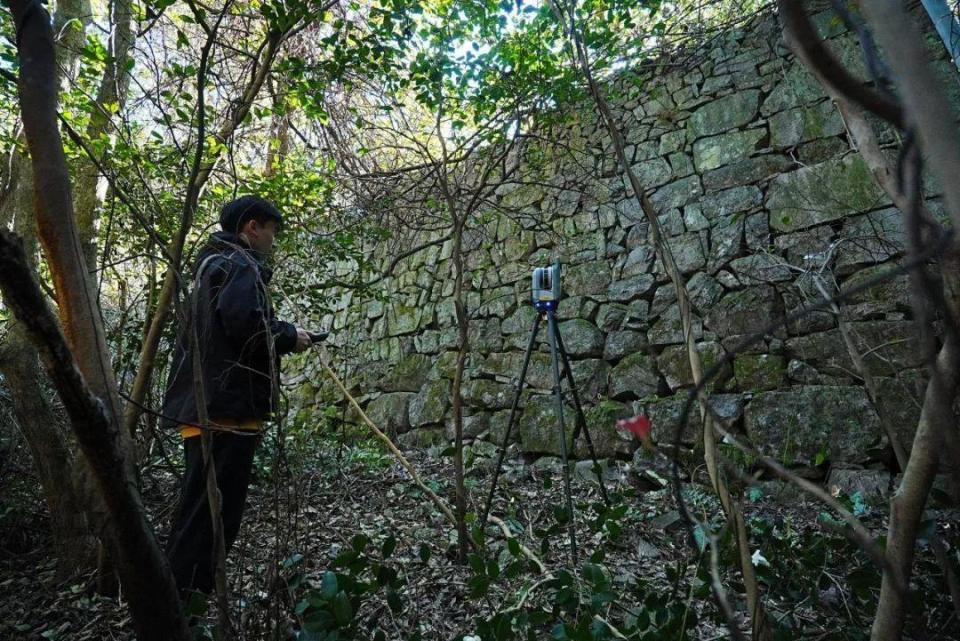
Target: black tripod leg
581, 419
558, 395
513, 417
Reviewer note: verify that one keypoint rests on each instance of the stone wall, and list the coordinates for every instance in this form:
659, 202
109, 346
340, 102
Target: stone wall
761, 195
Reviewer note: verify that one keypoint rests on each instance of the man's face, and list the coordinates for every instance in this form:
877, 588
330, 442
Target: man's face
260, 236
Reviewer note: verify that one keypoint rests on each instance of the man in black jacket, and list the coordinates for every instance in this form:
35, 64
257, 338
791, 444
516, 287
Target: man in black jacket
232, 327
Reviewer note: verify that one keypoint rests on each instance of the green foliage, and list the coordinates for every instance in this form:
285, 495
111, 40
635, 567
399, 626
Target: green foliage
329, 610
585, 605
821, 566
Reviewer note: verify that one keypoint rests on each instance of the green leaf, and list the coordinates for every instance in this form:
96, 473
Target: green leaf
701, 537
359, 542
394, 601
328, 586
424, 552
476, 562
292, 560
318, 621
389, 545
342, 609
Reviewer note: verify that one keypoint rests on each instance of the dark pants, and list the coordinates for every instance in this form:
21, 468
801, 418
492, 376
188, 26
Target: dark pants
190, 547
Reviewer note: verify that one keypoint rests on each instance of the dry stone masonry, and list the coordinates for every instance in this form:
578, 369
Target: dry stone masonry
764, 202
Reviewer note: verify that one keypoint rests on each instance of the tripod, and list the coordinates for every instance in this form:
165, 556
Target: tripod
558, 355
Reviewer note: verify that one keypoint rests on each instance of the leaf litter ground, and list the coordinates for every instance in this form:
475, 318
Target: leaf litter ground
296, 524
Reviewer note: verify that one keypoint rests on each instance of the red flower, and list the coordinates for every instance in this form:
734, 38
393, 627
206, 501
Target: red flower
639, 426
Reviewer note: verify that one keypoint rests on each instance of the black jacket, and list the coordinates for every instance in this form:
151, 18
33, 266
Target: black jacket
235, 326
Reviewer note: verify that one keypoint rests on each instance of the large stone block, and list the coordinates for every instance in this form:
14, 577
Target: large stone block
407, 375
798, 87
890, 295
794, 126
745, 172
634, 377
674, 363
761, 268
638, 261
474, 425
759, 372
488, 395
717, 151
610, 316
809, 248
608, 441
587, 278
591, 377
821, 193
581, 338
498, 302
622, 343
796, 425
668, 330
899, 400
631, 288
720, 205
520, 321
653, 172
421, 439
484, 335
888, 347
676, 194
665, 414
744, 312
539, 428
725, 113
389, 412
430, 404
689, 252
403, 320
871, 238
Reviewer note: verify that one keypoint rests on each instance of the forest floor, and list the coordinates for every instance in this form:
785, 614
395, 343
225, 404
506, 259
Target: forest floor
298, 525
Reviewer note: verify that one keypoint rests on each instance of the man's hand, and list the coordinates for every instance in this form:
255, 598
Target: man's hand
303, 340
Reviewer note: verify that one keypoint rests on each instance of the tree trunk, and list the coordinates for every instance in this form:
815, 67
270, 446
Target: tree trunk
113, 90
463, 347
79, 363
40, 425
906, 506
74, 547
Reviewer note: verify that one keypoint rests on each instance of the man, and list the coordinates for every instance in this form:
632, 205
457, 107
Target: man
232, 327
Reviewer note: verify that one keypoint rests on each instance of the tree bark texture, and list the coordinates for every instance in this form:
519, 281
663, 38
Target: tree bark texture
145, 575
53, 202
41, 426
112, 90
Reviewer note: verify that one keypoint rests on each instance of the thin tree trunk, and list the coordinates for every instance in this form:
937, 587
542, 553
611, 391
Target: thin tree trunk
906, 506
884, 172
927, 110
463, 348
113, 90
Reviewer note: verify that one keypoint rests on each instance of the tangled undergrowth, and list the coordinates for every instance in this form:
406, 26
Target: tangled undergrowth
339, 544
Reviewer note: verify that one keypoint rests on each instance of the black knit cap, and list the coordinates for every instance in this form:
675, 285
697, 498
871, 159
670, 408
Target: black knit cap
235, 213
